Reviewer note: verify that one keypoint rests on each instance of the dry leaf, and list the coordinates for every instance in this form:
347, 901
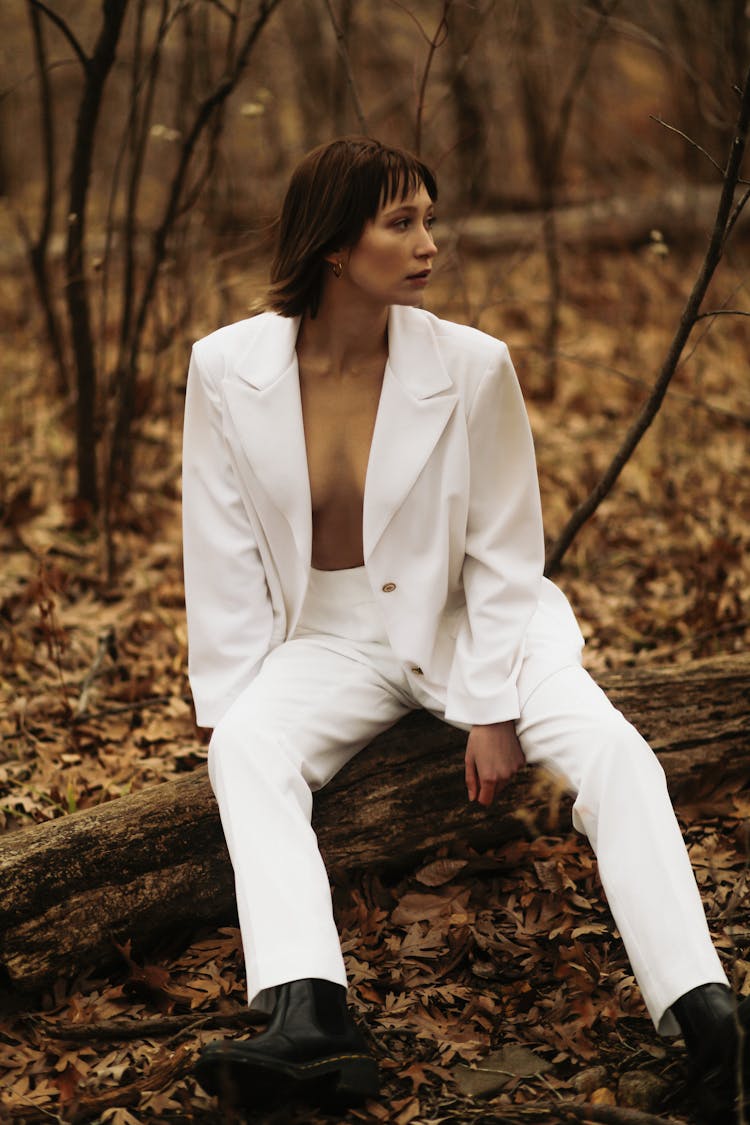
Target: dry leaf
440, 871
417, 907
498, 1069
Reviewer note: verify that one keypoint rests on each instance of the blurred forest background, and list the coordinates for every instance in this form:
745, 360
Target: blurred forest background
145, 145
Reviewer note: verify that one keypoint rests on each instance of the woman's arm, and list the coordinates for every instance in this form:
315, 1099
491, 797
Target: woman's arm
504, 559
229, 614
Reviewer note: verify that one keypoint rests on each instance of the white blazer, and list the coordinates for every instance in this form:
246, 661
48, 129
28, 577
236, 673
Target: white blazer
452, 525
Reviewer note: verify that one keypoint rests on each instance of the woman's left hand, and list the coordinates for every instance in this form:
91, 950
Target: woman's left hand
493, 756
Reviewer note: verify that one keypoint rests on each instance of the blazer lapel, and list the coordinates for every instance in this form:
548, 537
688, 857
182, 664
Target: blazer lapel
265, 414
264, 418
415, 405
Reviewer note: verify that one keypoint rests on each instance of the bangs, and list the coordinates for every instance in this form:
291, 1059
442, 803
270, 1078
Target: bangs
403, 175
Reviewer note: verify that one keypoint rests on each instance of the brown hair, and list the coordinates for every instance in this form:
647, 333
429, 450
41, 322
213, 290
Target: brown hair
334, 191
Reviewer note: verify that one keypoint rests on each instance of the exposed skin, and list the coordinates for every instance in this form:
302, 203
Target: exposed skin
342, 355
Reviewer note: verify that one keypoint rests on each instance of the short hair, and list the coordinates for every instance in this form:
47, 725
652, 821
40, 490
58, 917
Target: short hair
334, 191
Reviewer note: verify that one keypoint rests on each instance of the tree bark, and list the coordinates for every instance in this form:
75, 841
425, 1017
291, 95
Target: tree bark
155, 861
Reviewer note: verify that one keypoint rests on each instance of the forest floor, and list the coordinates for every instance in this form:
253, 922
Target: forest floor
456, 962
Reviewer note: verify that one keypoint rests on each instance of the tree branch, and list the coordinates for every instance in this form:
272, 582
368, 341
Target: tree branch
437, 40
688, 320
60, 23
690, 141
636, 381
414, 20
567, 102
723, 312
738, 209
345, 59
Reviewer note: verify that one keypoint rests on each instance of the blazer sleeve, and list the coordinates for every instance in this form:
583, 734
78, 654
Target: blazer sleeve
229, 613
504, 560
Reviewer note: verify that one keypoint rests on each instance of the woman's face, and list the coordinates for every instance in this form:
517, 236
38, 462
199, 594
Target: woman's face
391, 263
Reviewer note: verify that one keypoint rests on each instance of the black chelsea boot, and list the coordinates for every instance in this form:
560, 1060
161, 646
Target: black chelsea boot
716, 1029
310, 1051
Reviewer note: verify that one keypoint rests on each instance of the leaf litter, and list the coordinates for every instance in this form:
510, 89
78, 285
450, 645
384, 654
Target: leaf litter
502, 967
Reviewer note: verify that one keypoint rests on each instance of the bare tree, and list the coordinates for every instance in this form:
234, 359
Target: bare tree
314, 72
472, 97
728, 211
341, 73
547, 127
341, 25
182, 194
138, 280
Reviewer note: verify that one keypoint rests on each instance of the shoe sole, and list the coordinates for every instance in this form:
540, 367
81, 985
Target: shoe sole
336, 1082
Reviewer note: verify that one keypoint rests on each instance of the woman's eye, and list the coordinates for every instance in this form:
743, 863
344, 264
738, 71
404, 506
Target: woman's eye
405, 223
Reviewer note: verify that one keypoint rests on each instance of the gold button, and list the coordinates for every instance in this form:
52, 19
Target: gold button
417, 671
389, 587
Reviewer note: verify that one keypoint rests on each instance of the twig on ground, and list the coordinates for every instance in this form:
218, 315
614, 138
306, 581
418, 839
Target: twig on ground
554, 1113
104, 712
698, 638
123, 708
146, 1028
105, 647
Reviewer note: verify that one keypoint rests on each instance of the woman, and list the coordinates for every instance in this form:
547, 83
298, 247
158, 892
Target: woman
362, 537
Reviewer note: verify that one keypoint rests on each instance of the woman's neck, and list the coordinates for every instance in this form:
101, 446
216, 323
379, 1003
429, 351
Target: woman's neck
346, 334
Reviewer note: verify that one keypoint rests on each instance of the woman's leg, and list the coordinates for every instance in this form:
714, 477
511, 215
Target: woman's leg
568, 725
315, 703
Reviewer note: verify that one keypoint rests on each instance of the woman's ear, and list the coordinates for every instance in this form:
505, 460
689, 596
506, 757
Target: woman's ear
336, 260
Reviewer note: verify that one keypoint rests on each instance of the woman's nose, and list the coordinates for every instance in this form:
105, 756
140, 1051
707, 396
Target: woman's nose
427, 247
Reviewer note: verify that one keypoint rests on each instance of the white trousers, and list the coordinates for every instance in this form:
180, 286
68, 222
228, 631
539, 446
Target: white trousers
323, 695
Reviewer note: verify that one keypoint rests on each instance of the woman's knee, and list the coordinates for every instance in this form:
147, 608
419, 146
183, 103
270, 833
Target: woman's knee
620, 761
245, 741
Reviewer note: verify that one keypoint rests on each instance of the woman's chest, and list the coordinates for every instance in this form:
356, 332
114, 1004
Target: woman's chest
339, 420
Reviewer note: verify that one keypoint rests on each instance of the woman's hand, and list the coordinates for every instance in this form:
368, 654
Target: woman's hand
493, 756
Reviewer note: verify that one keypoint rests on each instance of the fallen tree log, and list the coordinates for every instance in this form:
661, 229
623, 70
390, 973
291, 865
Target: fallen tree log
680, 215
154, 861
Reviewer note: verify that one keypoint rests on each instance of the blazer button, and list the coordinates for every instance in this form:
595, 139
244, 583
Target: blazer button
389, 587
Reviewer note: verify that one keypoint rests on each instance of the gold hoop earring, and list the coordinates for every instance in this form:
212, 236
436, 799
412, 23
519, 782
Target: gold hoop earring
338, 269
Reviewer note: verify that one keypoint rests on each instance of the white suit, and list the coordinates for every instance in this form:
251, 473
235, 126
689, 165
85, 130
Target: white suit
467, 626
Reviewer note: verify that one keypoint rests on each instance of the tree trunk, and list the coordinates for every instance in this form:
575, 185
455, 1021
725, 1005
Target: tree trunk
97, 70
155, 861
